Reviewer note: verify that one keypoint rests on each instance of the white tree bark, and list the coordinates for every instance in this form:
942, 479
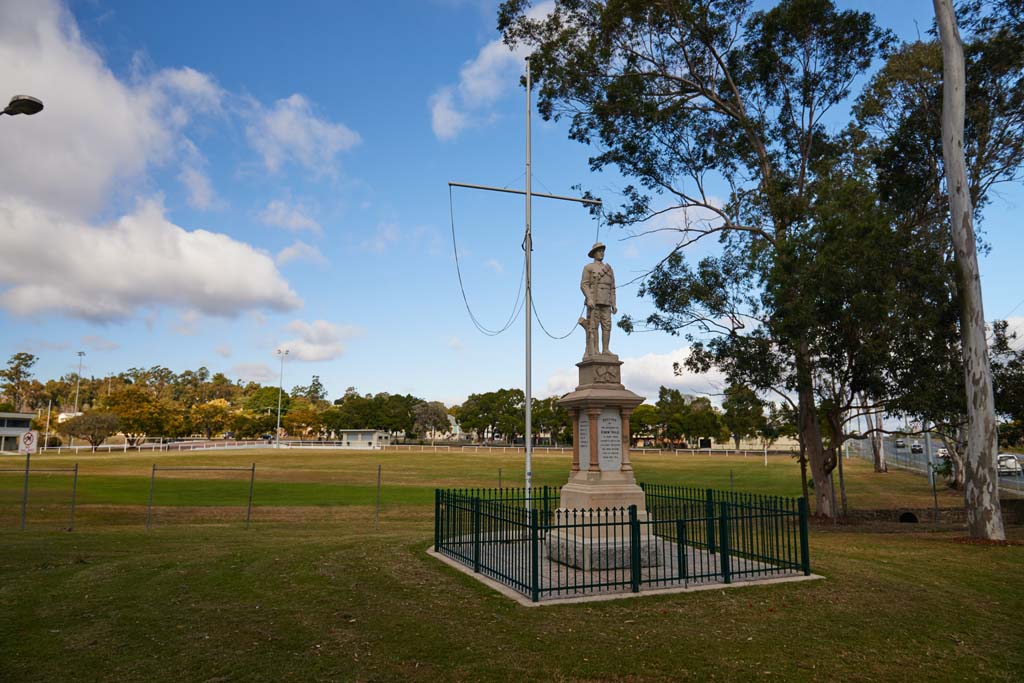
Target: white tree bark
981, 479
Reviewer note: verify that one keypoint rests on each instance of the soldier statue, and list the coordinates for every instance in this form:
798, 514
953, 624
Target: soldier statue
598, 286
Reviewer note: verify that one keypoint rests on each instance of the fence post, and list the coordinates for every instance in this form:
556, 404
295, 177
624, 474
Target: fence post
634, 550
805, 550
681, 552
534, 559
723, 542
252, 481
74, 491
437, 520
546, 507
149, 506
476, 534
709, 519
24, 493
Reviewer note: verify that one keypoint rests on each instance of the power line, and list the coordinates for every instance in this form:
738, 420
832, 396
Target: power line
517, 306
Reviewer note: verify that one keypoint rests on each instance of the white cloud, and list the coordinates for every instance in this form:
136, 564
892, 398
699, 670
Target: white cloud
645, 374
138, 261
97, 133
483, 80
96, 343
455, 344
494, 265
200, 190
385, 234
289, 131
300, 251
224, 350
318, 340
253, 372
281, 214
445, 120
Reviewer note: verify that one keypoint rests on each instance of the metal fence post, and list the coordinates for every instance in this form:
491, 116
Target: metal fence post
149, 506
24, 493
252, 481
74, 492
476, 534
805, 550
634, 550
546, 506
709, 519
681, 552
723, 542
534, 559
437, 520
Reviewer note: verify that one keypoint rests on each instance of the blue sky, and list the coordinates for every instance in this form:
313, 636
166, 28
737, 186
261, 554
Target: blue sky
210, 183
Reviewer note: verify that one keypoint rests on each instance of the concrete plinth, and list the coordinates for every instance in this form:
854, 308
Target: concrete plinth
579, 549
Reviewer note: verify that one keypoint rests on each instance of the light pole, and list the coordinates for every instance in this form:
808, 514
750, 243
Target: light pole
280, 390
23, 104
78, 380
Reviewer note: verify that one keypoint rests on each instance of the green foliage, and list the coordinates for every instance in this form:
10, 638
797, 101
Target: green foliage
265, 400
94, 426
687, 417
493, 414
645, 422
743, 412
16, 378
430, 416
211, 417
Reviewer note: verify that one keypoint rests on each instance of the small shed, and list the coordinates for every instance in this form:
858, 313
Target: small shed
364, 438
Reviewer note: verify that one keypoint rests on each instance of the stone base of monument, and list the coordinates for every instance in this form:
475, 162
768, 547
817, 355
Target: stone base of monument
594, 545
592, 526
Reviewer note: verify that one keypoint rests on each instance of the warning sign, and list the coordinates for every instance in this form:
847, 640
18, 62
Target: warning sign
29, 442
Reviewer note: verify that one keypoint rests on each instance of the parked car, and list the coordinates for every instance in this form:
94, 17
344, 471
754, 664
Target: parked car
916, 447
900, 443
942, 453
1009, 464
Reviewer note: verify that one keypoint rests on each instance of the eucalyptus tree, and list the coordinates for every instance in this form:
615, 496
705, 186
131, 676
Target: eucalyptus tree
949, 115
678, 92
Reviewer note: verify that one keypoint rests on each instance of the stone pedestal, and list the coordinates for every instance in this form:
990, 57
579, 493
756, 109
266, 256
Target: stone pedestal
601, 475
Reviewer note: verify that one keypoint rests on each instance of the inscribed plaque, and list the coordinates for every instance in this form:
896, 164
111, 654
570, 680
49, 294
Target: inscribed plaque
609, 440
584, 441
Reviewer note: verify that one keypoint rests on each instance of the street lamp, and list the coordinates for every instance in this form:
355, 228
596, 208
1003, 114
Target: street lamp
280, 390
78, 380
23, 104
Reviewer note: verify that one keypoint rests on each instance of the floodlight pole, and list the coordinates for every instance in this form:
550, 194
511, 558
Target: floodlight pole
78, 380
528, 303
280, 390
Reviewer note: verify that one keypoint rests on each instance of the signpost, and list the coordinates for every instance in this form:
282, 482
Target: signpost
29, 442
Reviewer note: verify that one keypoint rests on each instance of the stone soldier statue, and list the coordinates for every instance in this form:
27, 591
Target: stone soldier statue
598, 286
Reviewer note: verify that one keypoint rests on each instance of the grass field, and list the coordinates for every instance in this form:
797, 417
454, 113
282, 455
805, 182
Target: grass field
314, 592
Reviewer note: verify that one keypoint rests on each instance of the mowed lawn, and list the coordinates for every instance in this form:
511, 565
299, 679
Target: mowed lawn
313, 591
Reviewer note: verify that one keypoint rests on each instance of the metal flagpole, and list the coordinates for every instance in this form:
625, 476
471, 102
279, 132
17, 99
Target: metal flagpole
528, 303
528, 246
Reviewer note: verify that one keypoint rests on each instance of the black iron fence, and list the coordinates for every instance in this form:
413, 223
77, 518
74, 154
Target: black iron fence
685, 537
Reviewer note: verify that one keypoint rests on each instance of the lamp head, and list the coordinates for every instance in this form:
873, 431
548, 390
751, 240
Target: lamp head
23, 104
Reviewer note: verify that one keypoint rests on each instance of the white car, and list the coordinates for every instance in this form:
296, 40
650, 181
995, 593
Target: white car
1009, 464
942, 453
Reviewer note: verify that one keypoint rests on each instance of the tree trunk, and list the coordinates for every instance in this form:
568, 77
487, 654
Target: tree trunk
881, 465
824, 498
981, 479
